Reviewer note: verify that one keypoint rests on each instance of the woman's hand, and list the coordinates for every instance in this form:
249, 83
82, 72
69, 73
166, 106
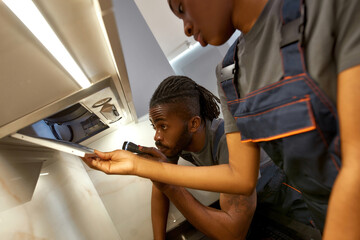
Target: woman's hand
116, 162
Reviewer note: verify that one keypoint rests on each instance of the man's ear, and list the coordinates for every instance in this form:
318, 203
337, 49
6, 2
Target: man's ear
194, 124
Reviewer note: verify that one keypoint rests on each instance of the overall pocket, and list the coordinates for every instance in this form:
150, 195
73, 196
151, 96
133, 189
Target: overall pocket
284, 119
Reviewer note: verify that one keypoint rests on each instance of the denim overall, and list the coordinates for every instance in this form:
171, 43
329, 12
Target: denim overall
291, 119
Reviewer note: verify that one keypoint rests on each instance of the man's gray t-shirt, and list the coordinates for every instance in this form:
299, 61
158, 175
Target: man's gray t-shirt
205, 156
332, 45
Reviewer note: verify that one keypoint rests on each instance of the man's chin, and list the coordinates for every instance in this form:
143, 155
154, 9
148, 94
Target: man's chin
170, 154
166, 152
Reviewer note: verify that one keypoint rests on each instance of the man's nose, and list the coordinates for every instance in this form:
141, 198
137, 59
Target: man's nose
157, 136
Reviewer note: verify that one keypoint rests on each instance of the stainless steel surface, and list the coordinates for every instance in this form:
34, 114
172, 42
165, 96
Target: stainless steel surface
110, 112
79, 96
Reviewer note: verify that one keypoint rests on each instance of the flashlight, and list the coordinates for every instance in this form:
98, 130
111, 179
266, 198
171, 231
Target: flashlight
132, 147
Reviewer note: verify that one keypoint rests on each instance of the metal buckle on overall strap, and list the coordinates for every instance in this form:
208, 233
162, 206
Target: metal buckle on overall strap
294, 31
228, 72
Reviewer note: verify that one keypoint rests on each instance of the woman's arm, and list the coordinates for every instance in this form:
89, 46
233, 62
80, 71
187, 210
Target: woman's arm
343, 217
237, 177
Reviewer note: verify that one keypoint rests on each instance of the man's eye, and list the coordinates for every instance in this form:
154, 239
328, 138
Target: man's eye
181, 10
152, 125
163, 127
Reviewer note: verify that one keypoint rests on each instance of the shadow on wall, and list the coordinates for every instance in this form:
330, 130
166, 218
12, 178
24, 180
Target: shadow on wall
200, 63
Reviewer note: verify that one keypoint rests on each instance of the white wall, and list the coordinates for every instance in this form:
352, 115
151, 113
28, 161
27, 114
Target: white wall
200, 63
145, 62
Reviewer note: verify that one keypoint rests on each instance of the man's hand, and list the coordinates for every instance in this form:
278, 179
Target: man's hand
152, 154
157, 155
115, 162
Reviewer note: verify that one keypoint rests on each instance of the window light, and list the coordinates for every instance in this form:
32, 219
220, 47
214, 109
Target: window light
190, 48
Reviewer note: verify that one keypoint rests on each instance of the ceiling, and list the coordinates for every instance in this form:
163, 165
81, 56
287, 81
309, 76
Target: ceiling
166, 27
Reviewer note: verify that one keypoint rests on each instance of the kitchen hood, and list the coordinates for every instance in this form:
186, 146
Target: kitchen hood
84, 116
34, 86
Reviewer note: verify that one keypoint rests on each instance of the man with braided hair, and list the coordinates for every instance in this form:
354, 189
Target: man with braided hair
185, 118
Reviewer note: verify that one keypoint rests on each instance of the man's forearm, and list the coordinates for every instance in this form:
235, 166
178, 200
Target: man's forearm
159, 213
215, 223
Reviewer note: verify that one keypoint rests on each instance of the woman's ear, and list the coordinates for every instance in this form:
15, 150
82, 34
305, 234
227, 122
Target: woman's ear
194, 124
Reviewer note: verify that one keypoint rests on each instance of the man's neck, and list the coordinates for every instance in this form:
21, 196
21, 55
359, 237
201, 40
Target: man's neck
246, 12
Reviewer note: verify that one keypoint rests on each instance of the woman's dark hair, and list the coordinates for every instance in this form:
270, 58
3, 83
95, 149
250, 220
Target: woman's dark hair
181, 89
